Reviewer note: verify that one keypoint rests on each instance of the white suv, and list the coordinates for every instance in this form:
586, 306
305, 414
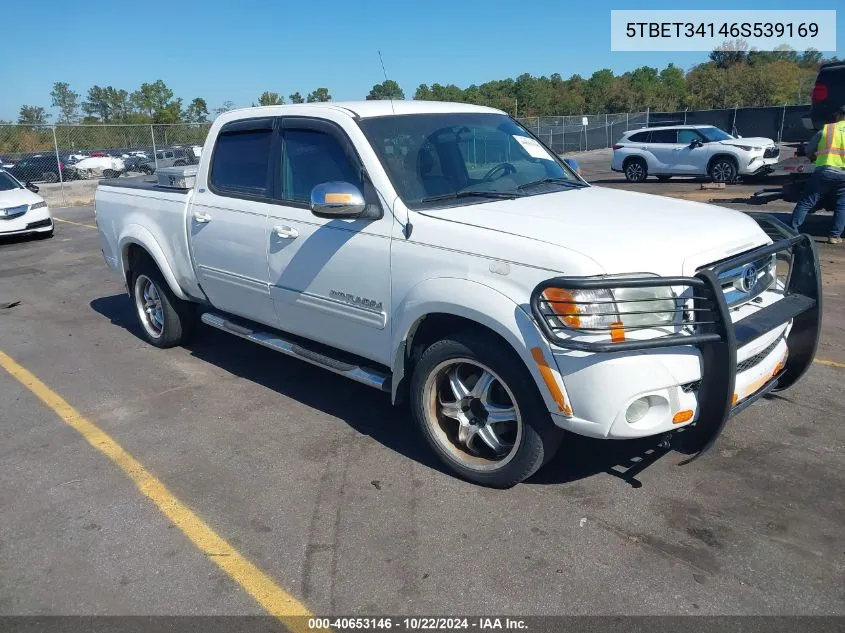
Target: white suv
692, 150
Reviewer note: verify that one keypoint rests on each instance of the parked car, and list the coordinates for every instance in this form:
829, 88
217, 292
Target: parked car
174, 157
509, 303
100, 166
22, 210
692, 150
41, 168
6, 163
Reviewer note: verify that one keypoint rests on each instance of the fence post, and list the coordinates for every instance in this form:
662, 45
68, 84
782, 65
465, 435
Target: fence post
153, 135
606, 131
59, 166
647, 117
563, 133
733, 125
782, 118
538, 127
685, 116
626, 121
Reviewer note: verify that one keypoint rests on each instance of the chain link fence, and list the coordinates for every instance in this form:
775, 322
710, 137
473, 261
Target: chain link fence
64, 154
67, 153
564, 134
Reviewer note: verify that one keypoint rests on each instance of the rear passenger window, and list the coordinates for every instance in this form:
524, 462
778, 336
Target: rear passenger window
639, 137
312, 158
664, 136
240, 163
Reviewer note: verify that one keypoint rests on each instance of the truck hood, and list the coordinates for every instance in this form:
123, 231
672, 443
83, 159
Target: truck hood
753, 141
622, 231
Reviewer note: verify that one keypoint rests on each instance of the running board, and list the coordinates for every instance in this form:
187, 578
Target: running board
365, 375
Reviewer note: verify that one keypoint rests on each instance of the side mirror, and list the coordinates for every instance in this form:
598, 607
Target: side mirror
337, 200
695, 143
31, 187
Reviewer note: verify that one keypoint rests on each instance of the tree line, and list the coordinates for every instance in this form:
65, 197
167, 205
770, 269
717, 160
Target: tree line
732, 76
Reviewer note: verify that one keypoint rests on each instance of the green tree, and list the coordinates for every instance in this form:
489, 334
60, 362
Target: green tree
597, 90
423, 93
224, 107
97, 104
673, 88
388, 89
319, 95
811, 58
270, 98
156, 101
296, 98
197, 111
32, 115
729, 53
119, 105
67, 101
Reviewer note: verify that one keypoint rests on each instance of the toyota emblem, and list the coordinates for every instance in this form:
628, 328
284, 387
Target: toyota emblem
749, 278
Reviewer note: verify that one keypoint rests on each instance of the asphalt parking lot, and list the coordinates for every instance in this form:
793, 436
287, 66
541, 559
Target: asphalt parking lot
327, 490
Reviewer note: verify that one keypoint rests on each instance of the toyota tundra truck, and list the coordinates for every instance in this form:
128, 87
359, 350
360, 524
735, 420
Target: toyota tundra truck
443, 254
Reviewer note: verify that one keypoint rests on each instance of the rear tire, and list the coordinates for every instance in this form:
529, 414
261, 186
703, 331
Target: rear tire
497, 437
50, 176
165, 320
636, 170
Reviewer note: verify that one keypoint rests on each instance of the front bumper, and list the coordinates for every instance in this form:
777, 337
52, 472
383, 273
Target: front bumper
696, 371
759, 166
33, 221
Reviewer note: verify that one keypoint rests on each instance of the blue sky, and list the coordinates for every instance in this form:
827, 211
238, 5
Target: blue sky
235, 49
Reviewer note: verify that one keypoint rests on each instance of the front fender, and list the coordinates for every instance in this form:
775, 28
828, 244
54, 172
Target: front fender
488, 307
137, 234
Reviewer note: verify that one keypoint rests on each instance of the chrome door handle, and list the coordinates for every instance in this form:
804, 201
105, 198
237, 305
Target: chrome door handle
201, 218
285, 232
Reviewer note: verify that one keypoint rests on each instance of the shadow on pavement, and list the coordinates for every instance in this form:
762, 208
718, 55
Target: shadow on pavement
369, 412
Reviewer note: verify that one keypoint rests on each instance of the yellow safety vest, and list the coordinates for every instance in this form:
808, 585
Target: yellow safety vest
831, 149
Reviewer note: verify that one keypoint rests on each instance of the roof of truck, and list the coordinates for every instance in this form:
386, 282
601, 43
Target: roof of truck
376, 108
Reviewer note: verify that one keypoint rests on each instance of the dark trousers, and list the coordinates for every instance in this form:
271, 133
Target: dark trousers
823, 181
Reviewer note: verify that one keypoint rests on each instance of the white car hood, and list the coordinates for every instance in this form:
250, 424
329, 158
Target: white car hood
754, 141
17, 197
623, 231
99, 162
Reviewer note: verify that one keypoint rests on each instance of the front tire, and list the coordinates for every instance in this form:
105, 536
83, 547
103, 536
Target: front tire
480, 411
636, 170
165, 320
722, 170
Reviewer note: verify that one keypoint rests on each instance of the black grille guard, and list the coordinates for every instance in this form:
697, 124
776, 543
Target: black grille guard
715, 335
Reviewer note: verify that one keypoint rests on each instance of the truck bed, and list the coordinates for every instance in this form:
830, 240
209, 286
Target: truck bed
148, 184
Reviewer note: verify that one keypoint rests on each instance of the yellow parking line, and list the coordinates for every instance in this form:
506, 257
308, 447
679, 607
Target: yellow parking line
87, 226
256, 583
831, 363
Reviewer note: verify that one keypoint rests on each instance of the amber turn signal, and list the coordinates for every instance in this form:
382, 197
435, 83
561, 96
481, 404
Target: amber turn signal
682, 416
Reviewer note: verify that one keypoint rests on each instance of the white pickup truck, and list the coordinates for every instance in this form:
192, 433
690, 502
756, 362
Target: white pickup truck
440, 252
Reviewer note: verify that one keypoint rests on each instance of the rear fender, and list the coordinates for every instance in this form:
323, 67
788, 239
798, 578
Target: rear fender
140, 236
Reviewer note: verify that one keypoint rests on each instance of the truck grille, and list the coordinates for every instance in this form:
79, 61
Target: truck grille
748, 363
771, 152
13, 212
743, 283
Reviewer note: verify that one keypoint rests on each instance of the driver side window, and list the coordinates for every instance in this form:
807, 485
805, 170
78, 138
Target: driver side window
311, 158
688, 136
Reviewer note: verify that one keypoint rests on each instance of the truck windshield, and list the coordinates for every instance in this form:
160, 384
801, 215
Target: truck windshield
7, 183
444, 159
714, 134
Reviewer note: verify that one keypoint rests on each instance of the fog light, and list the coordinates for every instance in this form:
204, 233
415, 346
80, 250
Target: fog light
637, 410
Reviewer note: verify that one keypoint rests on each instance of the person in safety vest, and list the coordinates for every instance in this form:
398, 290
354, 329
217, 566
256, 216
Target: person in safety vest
827, 150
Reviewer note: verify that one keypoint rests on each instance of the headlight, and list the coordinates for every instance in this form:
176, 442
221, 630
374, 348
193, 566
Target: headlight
38, 205
747, 148
604, 309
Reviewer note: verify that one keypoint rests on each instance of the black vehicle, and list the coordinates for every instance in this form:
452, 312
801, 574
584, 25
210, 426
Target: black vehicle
43, 167
828, 93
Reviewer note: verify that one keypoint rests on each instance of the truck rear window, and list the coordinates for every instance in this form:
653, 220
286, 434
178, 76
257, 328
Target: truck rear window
240, 163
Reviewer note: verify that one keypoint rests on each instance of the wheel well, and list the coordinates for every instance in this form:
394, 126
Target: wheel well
131, 256
730, 157
630, 159
430, 329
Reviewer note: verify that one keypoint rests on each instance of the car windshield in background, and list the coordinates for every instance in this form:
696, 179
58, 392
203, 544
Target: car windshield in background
7, 183
436, 159
713, 134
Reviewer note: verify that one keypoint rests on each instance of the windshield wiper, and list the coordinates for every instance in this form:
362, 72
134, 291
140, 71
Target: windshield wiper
557, 181
504, 195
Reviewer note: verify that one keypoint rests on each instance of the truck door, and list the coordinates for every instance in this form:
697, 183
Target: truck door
228, 217
329, 278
